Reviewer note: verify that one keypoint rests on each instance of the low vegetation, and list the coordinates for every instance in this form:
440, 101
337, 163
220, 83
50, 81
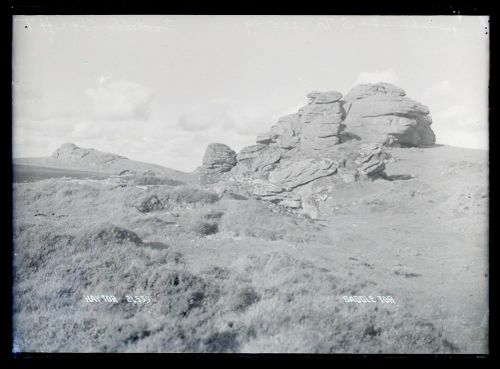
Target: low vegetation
93, 240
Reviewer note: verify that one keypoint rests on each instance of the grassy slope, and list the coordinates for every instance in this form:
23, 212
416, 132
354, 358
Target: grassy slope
262, 282
113, 167
30, 173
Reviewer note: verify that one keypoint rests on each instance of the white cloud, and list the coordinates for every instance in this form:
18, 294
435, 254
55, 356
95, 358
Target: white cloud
195, 122
389, 76
226, 116
120, 100
441, 89
458, 118
33, 104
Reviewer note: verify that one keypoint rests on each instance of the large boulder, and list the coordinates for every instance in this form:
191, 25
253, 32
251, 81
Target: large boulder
382, 113
219, 158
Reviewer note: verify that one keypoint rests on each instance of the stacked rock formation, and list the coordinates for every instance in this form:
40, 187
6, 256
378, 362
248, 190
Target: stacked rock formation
321, 120
331, 140
218, 158
316, 126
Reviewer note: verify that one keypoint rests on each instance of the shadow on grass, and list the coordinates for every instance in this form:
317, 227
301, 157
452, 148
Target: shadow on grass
397, 177
156, 245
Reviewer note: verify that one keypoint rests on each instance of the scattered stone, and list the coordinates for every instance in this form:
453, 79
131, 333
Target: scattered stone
110, 233
151, 203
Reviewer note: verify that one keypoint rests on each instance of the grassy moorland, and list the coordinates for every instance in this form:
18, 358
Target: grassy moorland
230, 274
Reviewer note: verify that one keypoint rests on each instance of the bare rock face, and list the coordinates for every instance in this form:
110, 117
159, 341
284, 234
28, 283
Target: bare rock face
298, 173
321, 120
267, 190
382, 113
259, 157
330, 141
315, 126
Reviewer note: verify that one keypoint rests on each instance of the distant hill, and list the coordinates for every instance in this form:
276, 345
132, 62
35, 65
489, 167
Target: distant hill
30, 173
71, 157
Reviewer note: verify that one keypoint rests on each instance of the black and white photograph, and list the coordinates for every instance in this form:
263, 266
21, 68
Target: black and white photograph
250, 184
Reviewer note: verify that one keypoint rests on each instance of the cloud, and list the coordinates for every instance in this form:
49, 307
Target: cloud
120, 100
458, 119
194, 123
442, 89
228, 116
388, 76
474, 138
33, 104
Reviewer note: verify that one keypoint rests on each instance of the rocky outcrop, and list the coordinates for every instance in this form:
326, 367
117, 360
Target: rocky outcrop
330, 141
71, 152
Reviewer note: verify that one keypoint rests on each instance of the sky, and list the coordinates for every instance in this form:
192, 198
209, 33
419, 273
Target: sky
159, 89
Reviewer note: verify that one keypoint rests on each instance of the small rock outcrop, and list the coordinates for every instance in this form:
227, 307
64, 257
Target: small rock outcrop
332, 140
71, 152
371, 159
